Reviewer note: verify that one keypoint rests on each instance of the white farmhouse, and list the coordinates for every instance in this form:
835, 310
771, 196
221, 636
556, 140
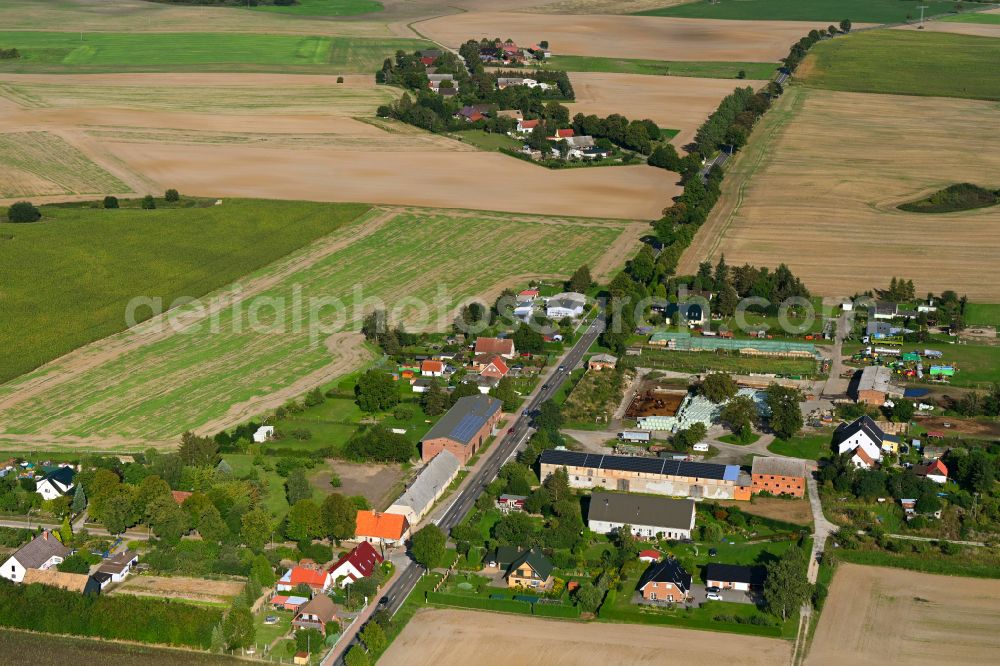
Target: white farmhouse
566, 304
56, 483
863, 433
647, 516
42, 552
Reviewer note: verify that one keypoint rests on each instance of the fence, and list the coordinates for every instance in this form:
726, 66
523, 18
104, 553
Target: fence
504, 605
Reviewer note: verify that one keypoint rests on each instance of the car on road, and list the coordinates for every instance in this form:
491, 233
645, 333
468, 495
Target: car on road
545, 386
383, 602
713, 596
713, 588
561, 368
510, 431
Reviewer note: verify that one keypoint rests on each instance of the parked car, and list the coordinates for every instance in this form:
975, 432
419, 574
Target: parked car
713, 596
713, 588
271, 619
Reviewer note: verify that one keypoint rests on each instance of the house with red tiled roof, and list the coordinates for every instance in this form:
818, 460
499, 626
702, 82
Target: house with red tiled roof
649, 556
317, 579
180, 495
562, 134
494, 368
500, 346
526, 126
360, 562
376, 527
935, 471
861, 459
431, 368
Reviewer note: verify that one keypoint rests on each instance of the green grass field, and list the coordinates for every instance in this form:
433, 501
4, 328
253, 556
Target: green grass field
196, 51
164, 384
61, 650
858, 11
982, 314
904, 62
710, 70
810, 447
488, 141
111, 256
324, 8
986, 19
42, 163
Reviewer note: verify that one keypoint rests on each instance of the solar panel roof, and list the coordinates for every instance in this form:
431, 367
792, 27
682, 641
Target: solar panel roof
642, 465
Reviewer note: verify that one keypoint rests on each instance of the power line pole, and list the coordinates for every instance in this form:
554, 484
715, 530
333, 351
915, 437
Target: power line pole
922, 8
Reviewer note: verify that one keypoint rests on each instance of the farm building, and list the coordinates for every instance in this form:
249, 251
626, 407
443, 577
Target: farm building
684, 341
602, 362
693, 409
496, 346
464, 428
656, 476
288, 603
74, 582
873, 386
779, 476
863, 433
665, 581
646, 516
735, 577
429, 485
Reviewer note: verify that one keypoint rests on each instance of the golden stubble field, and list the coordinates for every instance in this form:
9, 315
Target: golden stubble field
293, 137
818, 190
649, 37
893, 616
458, 637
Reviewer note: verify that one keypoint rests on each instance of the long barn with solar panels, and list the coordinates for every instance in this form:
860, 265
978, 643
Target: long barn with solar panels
659, 476
464, 428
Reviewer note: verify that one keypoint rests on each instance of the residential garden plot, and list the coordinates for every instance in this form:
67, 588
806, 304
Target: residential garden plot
877, 616
906, 62
644, 37
42, 163
854, 158
150, 384
858, 11
708, 70
185, 589
447, 637
195, 51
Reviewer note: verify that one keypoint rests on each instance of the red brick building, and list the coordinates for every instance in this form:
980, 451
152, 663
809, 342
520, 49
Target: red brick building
778, 476
464, 428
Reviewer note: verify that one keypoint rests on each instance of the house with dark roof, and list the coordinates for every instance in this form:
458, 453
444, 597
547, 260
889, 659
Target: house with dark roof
665, 581
645, 515
359, 563
464, 428
118, 566
56, 483
43, 552
530, 569
862, 433
735, 577
315, 614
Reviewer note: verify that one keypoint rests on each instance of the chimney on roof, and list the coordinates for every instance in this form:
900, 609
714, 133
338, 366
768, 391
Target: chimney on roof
45, 535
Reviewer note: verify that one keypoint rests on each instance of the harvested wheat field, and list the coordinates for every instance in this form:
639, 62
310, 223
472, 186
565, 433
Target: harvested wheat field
287, 328
885, 616
649, 37
293, 137
674, 102
458, 637
854, 157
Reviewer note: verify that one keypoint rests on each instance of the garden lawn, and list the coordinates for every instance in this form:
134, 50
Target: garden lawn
706, 70
324, 7
112, 256
196, 51
274, 501
832, 11
982, 314
684, 361
266, 633
987, 19
810, 447
148, 393
905, 62
488, 140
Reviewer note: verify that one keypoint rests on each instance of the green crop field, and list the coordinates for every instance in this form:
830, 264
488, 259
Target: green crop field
41, 163
986, 19
61, 650
858, 11
982, 314
110, 256
904, 62
149, 385
709, 70
196, 51
324, 7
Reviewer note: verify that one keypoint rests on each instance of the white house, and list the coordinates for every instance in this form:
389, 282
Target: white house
735, 577
566, 304
119, 566
263, 434
863, 433
646, 515
56, 483
42, 552
359, 563
429, 485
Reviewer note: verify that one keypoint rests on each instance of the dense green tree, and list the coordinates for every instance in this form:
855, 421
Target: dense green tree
297, 486
172, 196
378, 443
374, 637
589, 597
665, 156
718, 387
786, 416
514, 529
23, 211
376, 391
198, 451
428, 546
74, 564
845, 25
167, 520
338, 517
304, 521
148, 202
434, 400
504, 392
256, 527
740, 415
357, 656
528, 340
309, 640
211, 526
110, 202
581, 280
786, 587
238, 628
79, 500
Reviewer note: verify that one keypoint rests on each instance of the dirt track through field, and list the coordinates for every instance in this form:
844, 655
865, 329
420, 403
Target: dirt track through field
894, 616
649, 37
854, 157
457, 638
674, 102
